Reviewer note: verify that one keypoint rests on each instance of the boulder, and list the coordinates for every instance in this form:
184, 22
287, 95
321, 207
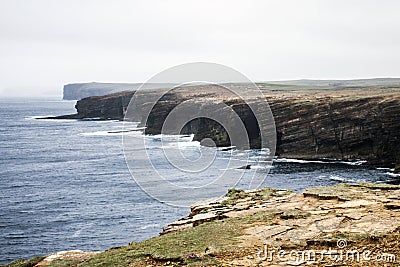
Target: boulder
245, 167
397, 169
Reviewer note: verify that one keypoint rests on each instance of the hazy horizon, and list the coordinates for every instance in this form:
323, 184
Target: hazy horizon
46, 44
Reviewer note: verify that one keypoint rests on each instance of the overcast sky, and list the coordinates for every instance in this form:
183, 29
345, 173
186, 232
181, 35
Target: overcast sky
45, 44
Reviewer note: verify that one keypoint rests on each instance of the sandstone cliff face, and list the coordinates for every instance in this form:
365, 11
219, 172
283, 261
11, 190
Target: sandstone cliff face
104, 107
346, 127
207, 128
341, 125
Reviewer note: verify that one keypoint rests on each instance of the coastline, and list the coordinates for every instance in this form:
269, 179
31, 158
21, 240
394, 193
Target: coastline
362, 214
188, 134
231, 231
348, 124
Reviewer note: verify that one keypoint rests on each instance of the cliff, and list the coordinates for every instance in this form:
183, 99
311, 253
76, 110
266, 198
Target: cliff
352, 123
342, 225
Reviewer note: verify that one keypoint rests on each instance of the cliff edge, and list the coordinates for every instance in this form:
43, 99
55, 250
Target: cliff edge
342, 225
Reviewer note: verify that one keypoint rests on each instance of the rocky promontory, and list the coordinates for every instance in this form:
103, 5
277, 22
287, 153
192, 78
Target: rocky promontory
347, 123
343, 225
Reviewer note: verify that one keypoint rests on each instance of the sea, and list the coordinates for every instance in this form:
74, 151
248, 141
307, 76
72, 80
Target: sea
65, 184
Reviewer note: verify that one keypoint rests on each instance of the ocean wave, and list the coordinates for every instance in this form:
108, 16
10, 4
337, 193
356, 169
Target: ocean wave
99, 133
181, 145
386, 169
261, 167
153, 225
303, 161
285, 160
172, 137
136, 131
46, 118
353, 163
27, 211
393, 174
341, 179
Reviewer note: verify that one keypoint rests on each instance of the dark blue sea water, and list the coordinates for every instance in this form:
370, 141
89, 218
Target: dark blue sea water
65, 185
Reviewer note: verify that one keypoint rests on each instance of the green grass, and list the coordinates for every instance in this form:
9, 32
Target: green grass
173, 247
266, 193
236, 194
26, 263
179, 248
233, 196
188, 247
340, 191
65, 263
294, 214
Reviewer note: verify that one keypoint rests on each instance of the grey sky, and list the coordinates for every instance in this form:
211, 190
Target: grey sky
45, 44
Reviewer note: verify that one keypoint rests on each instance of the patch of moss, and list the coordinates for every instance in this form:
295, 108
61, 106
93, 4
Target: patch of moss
173, 247
340, 192
352, 237
25, 263
264, 194
294, 214
236, 194
64, 263
233, 196
265, 217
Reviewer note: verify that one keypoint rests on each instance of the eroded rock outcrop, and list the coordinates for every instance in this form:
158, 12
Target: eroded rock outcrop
65, 256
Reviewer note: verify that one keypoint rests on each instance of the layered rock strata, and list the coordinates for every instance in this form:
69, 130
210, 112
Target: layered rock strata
346, 125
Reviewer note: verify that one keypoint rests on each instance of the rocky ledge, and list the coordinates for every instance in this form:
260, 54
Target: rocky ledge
342, 225
361, 208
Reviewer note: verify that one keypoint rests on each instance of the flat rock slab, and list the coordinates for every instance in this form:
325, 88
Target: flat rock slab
359, 203
72, 255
